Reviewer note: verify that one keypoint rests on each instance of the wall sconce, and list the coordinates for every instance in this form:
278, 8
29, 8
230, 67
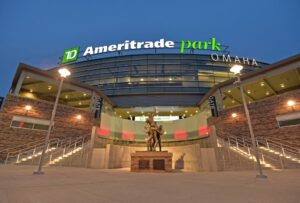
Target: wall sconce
78, 118
27, 108
291, 103
234, 115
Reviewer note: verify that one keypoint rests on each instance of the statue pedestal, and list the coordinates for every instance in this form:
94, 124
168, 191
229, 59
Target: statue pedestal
144, 161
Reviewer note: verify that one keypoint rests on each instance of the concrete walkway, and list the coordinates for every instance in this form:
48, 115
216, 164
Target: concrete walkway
77, 185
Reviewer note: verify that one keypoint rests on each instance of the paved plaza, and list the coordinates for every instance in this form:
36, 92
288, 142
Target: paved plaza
79, 185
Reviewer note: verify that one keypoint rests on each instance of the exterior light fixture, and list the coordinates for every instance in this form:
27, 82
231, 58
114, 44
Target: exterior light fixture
291, 103
64, 72
236, 69
78, 117
28, 107
233, 115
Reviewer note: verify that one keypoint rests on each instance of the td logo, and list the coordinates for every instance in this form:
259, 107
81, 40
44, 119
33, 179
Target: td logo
70, 55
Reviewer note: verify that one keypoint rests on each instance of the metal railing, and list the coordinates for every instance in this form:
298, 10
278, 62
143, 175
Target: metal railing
270, 151
67, 149
32, 151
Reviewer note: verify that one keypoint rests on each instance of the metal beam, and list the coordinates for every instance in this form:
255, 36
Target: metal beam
32, 83
297, 73
247, 95
270, 86
231, 97
49, 93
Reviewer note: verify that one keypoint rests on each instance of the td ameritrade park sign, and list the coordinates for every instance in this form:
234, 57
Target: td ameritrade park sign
71, 55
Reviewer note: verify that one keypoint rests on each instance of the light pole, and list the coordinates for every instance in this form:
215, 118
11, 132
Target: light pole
236, 69
63, 73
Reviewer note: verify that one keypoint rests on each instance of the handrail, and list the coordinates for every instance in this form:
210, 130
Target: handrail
36, 149
31, 147
67, 147
30, 143
278, 143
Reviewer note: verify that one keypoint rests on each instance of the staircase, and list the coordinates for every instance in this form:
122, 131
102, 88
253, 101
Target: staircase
70, 151
28, 152
73, 154
272, 154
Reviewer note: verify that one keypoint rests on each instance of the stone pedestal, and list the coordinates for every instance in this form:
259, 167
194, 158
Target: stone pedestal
144, 161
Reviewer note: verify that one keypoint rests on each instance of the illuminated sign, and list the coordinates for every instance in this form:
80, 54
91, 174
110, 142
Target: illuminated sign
228, 59
71, 55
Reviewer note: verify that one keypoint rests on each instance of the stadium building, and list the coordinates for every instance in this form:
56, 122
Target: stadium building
188, 85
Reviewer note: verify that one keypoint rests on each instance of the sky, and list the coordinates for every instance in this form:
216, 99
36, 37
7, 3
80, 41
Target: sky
36, 32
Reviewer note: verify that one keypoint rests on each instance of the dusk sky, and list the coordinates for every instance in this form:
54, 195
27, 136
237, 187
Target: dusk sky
36, 32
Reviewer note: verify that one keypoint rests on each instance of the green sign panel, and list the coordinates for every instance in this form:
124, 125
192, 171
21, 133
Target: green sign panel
70, 55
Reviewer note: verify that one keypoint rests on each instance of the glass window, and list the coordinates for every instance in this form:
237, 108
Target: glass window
40, 127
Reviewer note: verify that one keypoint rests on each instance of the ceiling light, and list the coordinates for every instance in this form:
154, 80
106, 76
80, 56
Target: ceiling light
127, 112
229, 91
142, 79
78, 117
267, 93
31, 90
49, 87
233, 115
262, 84
248, 91
282, 85
185, 111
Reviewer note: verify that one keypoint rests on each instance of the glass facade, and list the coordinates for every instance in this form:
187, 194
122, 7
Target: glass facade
143, 74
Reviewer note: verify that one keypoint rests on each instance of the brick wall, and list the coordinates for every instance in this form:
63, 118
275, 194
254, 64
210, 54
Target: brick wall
66, 124
263, 116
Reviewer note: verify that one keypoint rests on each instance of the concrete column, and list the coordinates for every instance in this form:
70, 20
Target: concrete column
91, 147
19, 84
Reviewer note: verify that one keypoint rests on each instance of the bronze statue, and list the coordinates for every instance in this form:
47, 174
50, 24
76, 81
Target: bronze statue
153, 134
